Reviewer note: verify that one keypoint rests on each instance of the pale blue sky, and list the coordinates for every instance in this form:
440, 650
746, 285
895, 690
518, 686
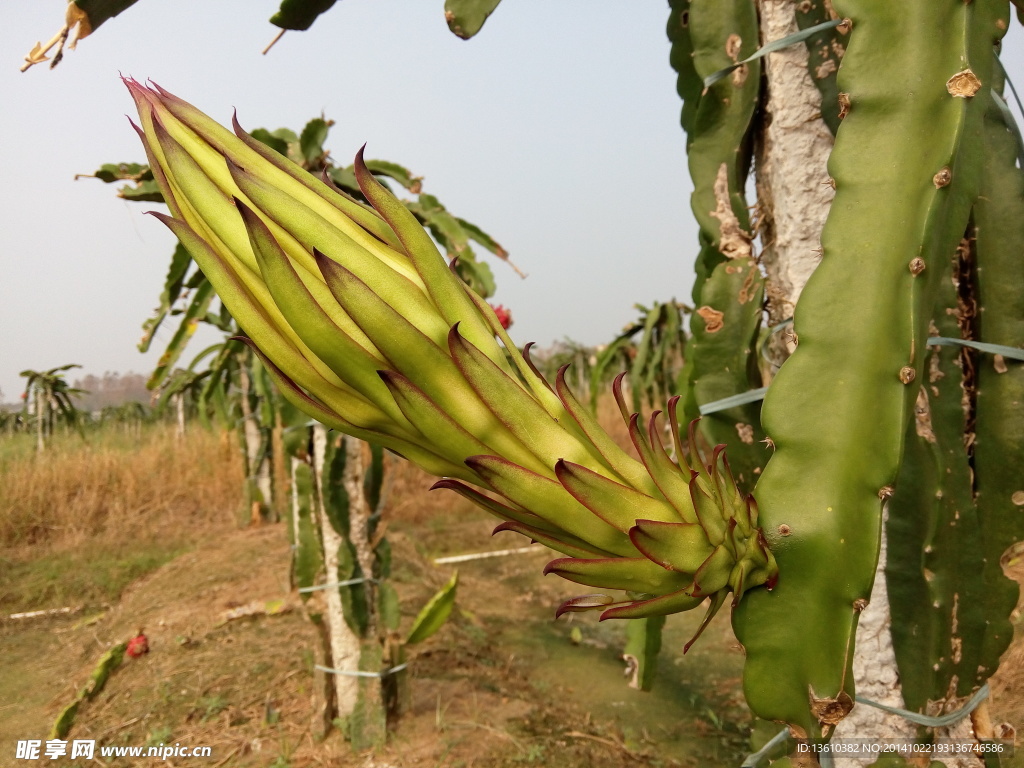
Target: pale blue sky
556, 129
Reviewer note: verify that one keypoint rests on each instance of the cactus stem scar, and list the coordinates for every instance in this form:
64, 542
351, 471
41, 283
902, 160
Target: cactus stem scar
907, 374
734, 243
713, 319
829, 711
844, 105
942, 178
963, 85
917, 266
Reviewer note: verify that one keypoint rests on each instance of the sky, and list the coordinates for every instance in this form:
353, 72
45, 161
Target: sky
555, 129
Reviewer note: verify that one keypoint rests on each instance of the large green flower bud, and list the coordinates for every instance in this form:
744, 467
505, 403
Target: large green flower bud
364, 327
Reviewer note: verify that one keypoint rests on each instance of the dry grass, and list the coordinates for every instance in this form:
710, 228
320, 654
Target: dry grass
118, 486
81, 521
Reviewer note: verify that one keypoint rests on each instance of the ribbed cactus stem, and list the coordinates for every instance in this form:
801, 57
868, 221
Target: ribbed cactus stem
916, 76
721, 355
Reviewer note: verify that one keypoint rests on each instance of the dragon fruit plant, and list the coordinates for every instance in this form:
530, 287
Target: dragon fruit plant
363, 325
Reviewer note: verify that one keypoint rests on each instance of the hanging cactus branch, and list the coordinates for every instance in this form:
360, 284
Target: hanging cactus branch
362, 325
901, 207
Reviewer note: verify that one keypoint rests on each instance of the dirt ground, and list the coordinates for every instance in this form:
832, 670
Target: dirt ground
502, 684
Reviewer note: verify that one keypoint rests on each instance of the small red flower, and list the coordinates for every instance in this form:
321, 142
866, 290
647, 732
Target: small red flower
137, 646
504, 315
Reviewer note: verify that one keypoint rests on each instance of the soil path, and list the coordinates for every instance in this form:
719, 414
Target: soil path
501, 685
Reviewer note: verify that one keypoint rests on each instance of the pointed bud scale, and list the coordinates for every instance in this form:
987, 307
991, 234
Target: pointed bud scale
664, 605
714, 573
622, 464
679, 547
636, 574
361, 324
716, 604
618, 505
501, 511
567, 545
584, 603
667, 476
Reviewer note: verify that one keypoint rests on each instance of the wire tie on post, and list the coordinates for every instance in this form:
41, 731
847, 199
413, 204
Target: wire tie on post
361, 673
754, 760
346, 583
1014, 353
941, 721
731, 402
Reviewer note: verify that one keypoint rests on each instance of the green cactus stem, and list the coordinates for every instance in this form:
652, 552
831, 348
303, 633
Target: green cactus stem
825, 51
708, 35
933, 581
917, 78
999, 413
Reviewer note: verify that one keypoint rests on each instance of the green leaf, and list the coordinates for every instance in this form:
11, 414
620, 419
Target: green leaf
189, 322
173, 283
825, 48
616, 352
287, 135
435, 613
311, 142
143, 192
99, 11
477, 274
397, 172
108, 662
307, 560
276, 143
111, 172
641, 373
336, 501
466, 17
772, 47
478, 235
66, 719
299, 14
345, 179
374, 478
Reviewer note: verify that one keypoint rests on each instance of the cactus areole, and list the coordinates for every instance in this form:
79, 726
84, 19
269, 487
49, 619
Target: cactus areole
364, 327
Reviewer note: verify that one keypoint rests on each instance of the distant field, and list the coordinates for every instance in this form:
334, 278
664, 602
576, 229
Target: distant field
82, 520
